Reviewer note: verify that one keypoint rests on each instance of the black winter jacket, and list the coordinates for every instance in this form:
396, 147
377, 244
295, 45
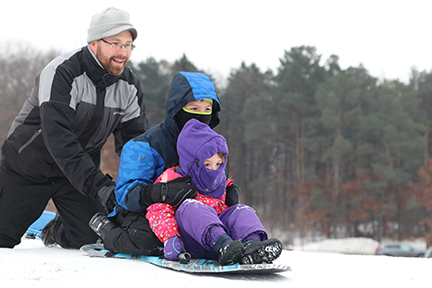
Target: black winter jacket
74, 107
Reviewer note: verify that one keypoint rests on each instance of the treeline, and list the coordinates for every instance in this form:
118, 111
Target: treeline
316, 149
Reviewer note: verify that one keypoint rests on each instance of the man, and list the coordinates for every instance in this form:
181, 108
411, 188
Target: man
144, 158
53, 147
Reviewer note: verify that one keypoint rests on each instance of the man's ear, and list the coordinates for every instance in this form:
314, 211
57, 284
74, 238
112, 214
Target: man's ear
93, 46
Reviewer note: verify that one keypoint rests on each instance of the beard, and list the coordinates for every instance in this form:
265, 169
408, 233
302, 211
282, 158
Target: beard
109, 63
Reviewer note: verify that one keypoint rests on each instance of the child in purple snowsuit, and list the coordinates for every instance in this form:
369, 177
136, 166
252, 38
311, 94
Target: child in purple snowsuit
205, 226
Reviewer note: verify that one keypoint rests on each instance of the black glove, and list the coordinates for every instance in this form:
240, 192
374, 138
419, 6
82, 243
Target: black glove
172, 192
232, 195
107, 197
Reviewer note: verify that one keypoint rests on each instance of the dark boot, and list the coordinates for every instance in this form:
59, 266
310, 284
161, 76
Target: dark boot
47, 233
100, 224
231, 253
262, 252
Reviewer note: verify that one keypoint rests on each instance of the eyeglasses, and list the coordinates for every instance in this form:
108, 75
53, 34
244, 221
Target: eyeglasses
118, 46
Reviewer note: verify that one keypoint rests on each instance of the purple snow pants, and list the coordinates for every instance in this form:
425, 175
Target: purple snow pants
200, 227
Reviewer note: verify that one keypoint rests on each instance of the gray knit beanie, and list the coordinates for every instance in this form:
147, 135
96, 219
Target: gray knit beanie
110, 22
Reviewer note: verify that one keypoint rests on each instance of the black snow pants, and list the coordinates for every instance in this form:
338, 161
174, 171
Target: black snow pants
22, 201
131, 234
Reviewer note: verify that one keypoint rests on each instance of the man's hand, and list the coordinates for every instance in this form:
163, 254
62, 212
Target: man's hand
107, 197
173, 192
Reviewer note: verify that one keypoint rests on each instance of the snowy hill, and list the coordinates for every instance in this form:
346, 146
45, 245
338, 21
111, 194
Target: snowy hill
32, 265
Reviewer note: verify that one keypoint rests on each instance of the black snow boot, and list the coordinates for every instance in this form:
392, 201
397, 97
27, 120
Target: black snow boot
262, 252
100, 223
47, 233
231, 253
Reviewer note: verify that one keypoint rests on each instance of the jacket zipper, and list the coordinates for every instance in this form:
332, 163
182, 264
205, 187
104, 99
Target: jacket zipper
29, 141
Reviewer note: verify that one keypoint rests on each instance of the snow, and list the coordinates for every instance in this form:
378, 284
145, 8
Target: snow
30, 264
363, 246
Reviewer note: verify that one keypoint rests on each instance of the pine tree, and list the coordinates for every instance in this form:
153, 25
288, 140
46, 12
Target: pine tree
155, 81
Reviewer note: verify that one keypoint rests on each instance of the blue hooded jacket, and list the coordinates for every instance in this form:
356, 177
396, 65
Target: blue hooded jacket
145, 157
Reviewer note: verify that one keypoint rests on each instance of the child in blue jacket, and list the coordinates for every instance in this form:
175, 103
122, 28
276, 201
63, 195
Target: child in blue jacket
126, 230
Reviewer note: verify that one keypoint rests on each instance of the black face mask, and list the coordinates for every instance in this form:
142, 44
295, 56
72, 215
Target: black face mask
182, 117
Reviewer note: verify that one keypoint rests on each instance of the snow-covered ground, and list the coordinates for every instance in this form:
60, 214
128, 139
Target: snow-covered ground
31, 264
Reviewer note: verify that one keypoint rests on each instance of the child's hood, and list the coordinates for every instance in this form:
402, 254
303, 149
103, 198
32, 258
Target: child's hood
187, 87
197, 142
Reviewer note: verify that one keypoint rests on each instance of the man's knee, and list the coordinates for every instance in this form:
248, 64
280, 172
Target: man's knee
73, 240
8, 242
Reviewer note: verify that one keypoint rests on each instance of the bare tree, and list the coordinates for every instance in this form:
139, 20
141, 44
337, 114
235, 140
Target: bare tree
18, 70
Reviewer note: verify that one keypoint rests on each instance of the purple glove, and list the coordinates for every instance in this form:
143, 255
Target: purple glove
174, 250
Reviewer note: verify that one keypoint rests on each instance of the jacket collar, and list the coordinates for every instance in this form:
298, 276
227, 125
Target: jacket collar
95, 71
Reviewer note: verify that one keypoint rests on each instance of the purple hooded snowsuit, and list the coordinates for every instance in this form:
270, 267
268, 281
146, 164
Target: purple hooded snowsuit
199, 225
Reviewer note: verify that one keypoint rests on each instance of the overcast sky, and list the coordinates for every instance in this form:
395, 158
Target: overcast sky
387, 36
